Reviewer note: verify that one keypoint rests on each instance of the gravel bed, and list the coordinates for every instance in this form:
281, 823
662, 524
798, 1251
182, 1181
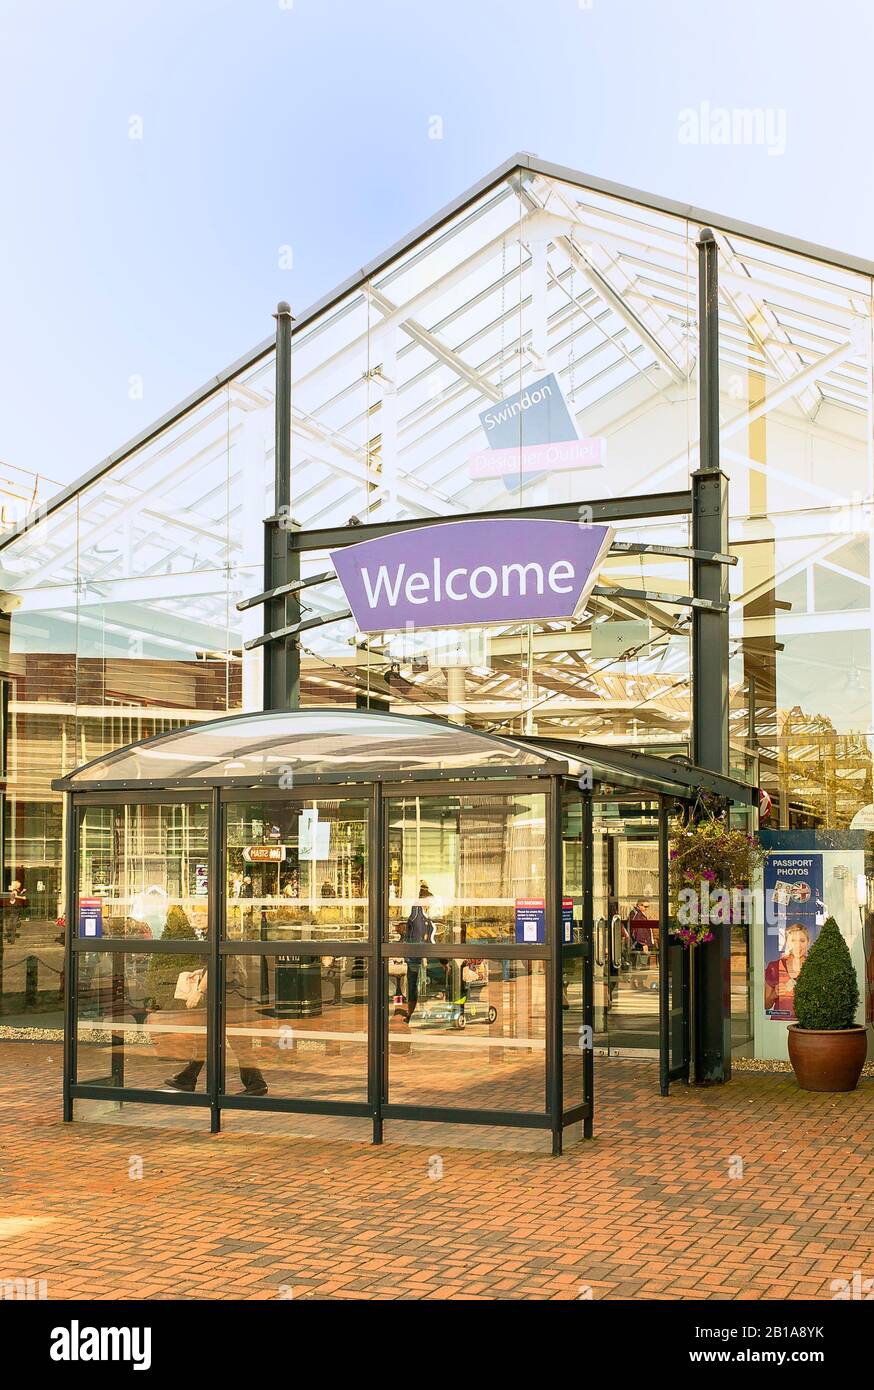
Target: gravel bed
772, 1064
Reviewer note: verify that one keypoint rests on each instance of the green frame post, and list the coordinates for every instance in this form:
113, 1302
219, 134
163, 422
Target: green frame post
712, 993
281, 559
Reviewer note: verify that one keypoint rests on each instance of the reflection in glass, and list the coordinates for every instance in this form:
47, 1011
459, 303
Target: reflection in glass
573, 1037
572, 1026
627, 929
141, 1017
468, 1034
144, 871
467, 868
297, 870
573, 859
741, 989
299, 1023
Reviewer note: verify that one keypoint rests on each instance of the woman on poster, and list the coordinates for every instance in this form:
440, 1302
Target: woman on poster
781, 974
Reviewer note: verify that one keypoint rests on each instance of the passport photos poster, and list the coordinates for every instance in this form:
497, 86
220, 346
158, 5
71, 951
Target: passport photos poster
794, 913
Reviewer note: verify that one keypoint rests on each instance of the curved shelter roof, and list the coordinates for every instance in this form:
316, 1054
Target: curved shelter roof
314, 746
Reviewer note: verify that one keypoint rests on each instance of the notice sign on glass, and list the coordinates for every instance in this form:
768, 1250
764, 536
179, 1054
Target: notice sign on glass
530, 921
567, 920
90, 916
313, 836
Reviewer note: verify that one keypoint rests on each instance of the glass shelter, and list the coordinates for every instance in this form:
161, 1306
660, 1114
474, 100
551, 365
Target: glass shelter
354, 913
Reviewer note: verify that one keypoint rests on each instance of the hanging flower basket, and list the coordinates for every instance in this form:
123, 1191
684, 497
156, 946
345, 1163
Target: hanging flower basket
711, 872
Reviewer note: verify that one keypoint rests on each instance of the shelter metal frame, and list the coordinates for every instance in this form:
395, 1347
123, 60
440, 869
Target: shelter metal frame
554, 776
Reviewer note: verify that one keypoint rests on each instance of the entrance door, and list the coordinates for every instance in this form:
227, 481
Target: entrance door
627, 930
468, 971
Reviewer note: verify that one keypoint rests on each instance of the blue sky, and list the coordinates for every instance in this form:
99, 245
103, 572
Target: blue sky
268, 123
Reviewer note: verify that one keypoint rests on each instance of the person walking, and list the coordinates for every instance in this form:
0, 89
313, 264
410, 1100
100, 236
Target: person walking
419, 929
192, 987
15, 906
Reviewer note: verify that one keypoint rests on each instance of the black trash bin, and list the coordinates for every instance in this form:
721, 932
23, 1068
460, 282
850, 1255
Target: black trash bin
298, 986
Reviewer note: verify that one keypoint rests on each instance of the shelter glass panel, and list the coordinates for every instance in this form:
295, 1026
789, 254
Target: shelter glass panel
141, 1019
297, 870
299, 1023
472, 1038
144, 871
466, 867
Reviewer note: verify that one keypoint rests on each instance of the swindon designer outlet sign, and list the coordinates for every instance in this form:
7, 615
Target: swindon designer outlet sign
471, 573
531, 433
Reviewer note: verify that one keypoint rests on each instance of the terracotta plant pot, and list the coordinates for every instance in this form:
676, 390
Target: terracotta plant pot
827, 1059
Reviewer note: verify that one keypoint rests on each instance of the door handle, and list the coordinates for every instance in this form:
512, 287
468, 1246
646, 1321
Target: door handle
616, 944
600, 942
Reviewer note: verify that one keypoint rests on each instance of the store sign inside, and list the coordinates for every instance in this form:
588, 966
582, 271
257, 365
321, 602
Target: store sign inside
472, 573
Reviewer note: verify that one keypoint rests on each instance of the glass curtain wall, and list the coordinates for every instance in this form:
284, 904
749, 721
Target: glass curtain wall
527, 353
122, 624
796, 388
538, 346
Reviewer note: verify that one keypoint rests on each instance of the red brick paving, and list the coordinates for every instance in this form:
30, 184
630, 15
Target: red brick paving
648, 1210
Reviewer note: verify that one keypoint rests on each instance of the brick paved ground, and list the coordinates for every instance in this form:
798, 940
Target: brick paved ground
649, 1210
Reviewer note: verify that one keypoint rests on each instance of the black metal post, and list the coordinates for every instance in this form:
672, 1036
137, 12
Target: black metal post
712, 993
709, 625
588, 968
3, 865
664, 956
281, 561
554, 1014
377, 1012
71, 924
215, 980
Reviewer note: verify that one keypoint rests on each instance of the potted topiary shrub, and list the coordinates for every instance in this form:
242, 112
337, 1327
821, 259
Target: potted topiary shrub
826, 1047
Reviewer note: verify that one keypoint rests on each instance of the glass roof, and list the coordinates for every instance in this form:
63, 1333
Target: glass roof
305, 746
538, 271
336, 744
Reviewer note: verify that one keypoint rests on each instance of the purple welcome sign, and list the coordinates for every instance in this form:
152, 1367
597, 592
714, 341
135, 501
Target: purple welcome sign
471, 573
